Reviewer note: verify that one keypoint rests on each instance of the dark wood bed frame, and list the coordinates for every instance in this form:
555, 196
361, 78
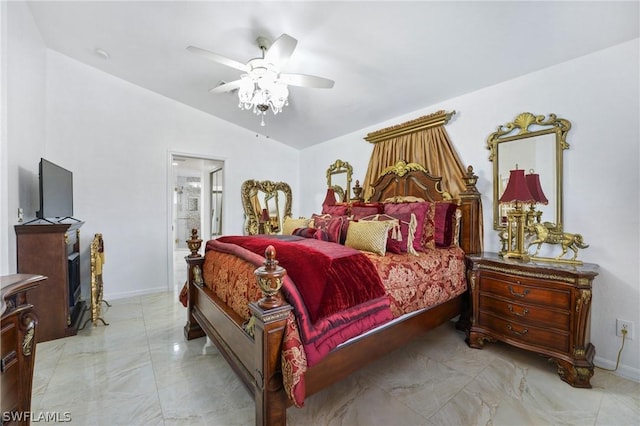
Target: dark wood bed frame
257, 360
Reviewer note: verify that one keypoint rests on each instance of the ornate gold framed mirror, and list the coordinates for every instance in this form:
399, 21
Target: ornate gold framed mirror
265, 204
339, 178
536, 145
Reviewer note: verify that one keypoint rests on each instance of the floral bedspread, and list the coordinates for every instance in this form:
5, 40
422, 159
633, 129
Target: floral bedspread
418, 282
411, 282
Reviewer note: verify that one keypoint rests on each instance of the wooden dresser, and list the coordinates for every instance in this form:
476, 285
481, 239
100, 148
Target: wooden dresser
541, 307
53, 250
18, 346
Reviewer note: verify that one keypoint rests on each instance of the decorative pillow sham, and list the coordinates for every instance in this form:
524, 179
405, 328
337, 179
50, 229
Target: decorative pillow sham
334, 226
428, 239
360, 210
368, 236
419, 209
401, 233
290, 224
440, 225
335, 210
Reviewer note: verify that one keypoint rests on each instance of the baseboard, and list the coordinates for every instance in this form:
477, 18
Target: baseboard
623, 370
114, 296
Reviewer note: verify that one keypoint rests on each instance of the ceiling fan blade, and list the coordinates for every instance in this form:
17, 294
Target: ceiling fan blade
307, 81
281, 50
218, 58
226, 87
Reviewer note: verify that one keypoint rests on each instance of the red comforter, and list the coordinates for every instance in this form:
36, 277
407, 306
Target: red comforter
337, 293
330, 277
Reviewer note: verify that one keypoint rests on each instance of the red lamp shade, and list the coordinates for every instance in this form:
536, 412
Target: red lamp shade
533, 182
265, 215
517, 189
330, 198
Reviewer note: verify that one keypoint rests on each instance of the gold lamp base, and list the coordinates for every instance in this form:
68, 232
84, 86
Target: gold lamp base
515, 235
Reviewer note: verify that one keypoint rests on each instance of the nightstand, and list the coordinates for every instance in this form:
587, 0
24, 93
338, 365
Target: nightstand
540, 307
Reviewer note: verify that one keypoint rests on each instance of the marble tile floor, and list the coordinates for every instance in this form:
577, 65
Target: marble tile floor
139, 370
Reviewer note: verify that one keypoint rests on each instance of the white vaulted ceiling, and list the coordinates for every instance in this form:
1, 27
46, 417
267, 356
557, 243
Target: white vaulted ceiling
386, 58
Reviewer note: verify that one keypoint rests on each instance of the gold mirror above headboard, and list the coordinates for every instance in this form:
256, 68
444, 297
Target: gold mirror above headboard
534, 144
339, 178
265, 204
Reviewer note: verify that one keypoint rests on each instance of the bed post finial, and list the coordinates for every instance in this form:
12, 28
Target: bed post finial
471, 207
270, 277
194, 243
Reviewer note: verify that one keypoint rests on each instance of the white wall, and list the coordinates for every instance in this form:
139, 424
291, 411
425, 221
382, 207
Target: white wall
116, 137
23, 121
599, 94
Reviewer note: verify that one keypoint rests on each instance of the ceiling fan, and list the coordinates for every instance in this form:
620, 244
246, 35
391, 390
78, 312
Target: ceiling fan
262, 86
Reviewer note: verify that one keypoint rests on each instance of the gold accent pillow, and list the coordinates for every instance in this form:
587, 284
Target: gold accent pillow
368, 236
291, 224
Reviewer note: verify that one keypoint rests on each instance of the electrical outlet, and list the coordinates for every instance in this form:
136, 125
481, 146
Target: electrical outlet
624, 325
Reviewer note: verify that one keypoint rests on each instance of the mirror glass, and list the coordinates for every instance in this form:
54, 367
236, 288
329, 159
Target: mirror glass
265, 204
339, 178
535, 145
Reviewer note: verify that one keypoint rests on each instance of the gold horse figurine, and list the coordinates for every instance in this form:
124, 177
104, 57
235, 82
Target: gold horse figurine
545, 233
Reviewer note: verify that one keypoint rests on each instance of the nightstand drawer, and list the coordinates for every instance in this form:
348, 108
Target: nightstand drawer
510, 310
526, 333
525, 291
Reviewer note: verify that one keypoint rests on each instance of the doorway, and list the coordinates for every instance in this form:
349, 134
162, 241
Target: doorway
196, 188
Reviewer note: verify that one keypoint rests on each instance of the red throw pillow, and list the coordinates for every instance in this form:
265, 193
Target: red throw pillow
418, 209
336, 210
444, 223
334, 226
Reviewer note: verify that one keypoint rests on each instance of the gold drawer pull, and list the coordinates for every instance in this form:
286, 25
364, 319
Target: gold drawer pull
523, 294
517, 333
525, 311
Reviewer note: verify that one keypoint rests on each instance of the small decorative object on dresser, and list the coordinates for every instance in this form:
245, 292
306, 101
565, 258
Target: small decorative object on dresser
540, 307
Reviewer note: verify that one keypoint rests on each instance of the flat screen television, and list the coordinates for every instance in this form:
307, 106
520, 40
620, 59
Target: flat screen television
56, 191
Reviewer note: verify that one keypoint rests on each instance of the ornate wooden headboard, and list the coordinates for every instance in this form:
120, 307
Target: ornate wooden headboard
411, 179
408, 179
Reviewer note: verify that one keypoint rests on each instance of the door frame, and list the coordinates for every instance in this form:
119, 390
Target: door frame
170, 213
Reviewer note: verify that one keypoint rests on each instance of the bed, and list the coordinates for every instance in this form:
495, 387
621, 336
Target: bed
257, 358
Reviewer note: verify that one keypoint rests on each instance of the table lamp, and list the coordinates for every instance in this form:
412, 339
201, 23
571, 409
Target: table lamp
516, 193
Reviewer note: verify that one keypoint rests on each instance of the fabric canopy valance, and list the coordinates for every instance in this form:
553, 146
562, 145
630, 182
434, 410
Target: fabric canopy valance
424, 141
439, 118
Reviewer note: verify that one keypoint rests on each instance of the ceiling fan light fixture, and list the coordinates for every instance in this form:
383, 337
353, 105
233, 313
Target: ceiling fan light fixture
262, 87
262, 91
